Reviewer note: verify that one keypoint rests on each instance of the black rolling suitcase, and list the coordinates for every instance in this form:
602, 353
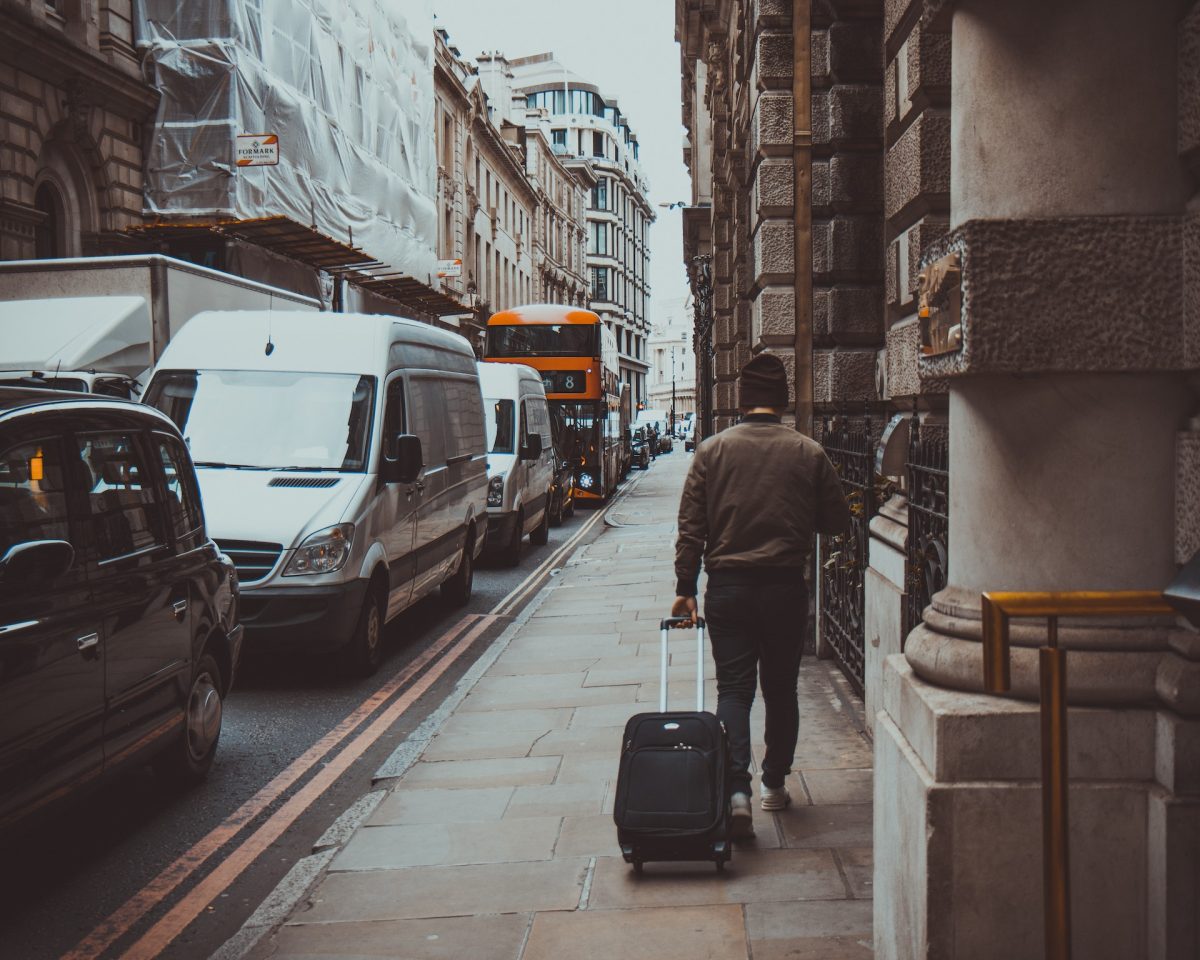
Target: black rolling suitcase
672, 799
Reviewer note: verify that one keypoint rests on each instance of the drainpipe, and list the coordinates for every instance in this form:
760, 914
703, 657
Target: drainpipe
802, 209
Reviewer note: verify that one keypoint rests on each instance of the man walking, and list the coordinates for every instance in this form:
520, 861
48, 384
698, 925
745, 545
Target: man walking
755, 495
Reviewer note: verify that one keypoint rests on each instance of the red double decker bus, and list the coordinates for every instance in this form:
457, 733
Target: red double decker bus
576, 356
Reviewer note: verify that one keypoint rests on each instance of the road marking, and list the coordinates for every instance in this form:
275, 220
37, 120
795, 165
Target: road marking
155, 892
152, 943
517, 594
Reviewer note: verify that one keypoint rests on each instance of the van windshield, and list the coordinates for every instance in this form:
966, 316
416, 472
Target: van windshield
499, 425
269, 420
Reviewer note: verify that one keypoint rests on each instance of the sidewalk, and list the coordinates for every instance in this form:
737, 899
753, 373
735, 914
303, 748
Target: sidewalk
499, 842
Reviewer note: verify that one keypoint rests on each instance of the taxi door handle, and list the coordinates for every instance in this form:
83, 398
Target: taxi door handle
87, 644
179, 607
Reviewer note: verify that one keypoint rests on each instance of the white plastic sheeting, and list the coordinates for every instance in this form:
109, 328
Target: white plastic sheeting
347, 85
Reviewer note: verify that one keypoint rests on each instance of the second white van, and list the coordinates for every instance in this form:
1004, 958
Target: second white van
342, 466
520, 457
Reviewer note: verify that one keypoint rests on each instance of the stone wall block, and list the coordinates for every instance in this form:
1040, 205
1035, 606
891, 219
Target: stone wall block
918, 165
1191, 290
773, 315
843, 376
773, 60
855, 51
822, 196
897, 13
771, 123
1187, 495
928, 65
771, 13
1189, 84
903, 348
855, 315
820, 69
891, 95
819, 105
848, 247
924, 233
856, 181
775, 188
822, 247
774, 251
855, 114
891, 270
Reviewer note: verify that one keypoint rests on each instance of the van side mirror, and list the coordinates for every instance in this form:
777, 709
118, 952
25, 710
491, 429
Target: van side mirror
402, 459
29, 562
533, 447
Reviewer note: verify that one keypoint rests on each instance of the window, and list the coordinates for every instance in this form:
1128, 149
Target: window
597, 143
599, 283
393, 417
558, 140
463, 409
426, 418
48, 236
598, 238
183, 501
125, 517
33, 499
600, 194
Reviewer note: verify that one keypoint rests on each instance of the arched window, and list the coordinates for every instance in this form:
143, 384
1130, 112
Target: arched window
48, 235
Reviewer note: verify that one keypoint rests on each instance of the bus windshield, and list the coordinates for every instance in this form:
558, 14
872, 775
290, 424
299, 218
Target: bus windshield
542, 340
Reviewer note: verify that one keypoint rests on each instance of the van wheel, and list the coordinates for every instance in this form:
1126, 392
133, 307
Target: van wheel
569, 509
189, 758
366, 645
457, 590
540, 534
510, 556
559, 504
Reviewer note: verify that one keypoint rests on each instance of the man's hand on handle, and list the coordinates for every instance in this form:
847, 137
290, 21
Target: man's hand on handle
684, 607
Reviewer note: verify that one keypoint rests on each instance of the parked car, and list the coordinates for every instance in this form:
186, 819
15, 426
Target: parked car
641, 448
689, 434
521, 457
343, 466
119, 633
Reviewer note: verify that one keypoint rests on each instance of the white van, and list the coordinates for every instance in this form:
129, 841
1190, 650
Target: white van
342, 465
520, 457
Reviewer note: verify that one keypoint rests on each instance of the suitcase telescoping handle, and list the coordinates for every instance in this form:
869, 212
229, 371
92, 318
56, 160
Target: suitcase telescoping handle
665, 625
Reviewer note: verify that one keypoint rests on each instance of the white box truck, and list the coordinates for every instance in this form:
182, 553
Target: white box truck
98, 324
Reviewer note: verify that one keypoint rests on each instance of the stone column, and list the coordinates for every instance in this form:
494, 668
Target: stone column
1068, 211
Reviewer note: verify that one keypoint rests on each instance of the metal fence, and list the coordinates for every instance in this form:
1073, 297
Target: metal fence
928, 520
850, 445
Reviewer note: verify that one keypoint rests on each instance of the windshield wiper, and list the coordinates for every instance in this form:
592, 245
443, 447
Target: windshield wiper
305, 469
227, 466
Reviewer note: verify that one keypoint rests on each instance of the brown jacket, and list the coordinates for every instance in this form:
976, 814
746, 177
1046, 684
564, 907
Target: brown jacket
755, 495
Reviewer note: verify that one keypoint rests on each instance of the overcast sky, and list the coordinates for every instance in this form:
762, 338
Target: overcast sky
626, 48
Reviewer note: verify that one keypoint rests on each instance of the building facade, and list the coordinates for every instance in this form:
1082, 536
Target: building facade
72, 108
584, 125
487, 205
975, 245
672, 361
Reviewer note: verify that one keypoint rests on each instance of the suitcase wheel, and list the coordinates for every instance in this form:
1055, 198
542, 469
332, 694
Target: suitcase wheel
637, 866
720, 866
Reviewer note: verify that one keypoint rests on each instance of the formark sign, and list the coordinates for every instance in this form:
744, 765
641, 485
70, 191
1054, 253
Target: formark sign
257, 149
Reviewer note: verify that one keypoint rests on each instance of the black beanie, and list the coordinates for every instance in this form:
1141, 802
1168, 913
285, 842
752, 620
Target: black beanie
763, 383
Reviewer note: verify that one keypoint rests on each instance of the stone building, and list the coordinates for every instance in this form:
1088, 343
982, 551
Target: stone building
975, 242
584, 125
487, 205
72, 106
672, 360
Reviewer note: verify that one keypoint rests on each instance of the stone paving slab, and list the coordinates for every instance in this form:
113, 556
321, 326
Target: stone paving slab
676, 934
813, 930
504, 772
481, 745
443, 938
429, 844
448, 891
442, 806
767, 875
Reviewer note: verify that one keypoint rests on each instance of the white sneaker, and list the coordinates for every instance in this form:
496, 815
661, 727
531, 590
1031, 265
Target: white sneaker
743, 816
775, 798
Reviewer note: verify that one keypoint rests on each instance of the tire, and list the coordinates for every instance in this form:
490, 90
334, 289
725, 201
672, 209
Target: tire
510, 556
559, 512
366, 644
569, 509
189, 758
457, 590
540, 534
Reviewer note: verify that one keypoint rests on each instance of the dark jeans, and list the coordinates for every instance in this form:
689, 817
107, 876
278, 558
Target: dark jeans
757, 629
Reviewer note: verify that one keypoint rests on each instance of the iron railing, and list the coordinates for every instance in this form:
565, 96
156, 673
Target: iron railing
928, 558
850, 446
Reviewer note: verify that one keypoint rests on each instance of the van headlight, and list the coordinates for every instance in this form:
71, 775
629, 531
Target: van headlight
323, 552
495, 492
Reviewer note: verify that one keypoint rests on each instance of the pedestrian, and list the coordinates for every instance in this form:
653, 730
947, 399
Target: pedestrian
755, 495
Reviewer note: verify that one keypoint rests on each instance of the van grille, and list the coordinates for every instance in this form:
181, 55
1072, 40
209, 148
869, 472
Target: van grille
312, 483
253, 559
